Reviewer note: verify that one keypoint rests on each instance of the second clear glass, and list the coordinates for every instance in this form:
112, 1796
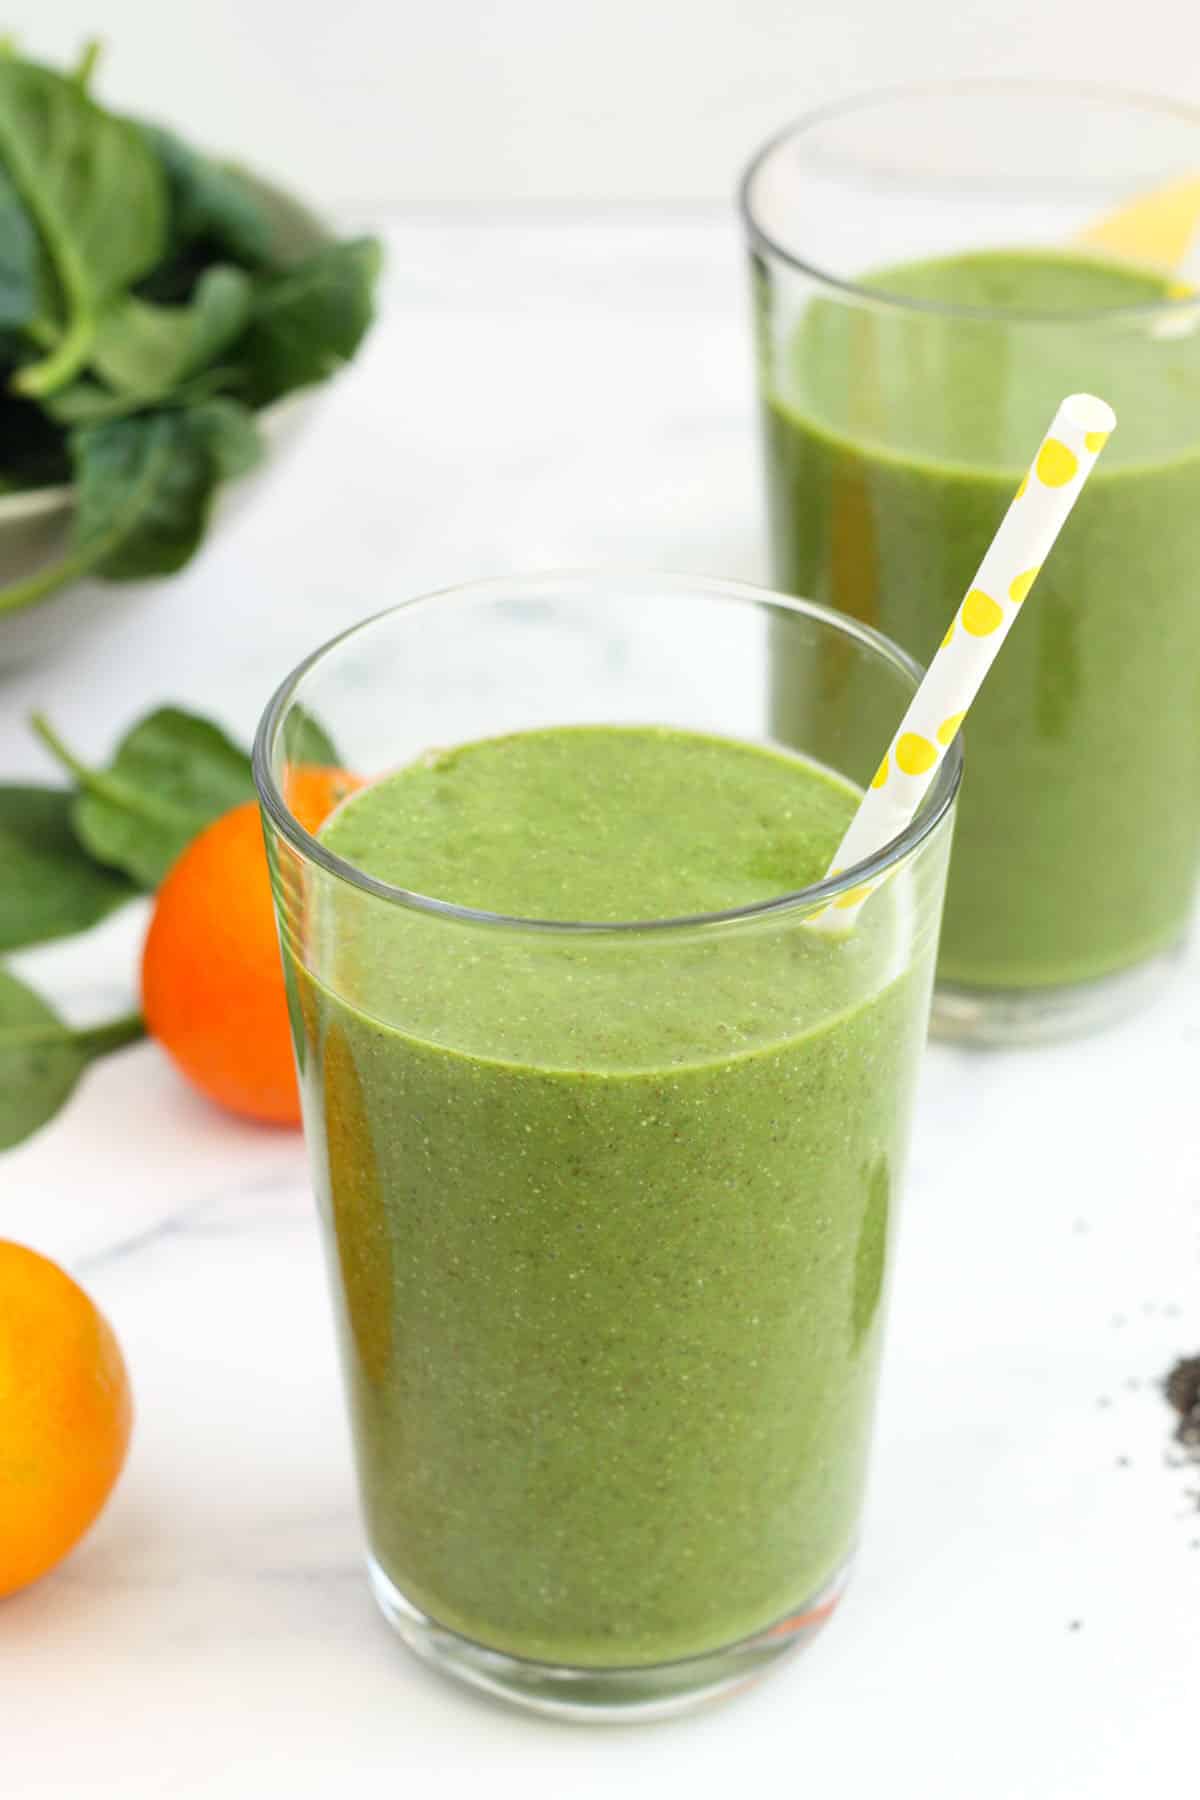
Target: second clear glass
929, 284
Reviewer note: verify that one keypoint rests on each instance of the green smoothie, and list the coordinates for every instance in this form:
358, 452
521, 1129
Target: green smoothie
895, 440
612, 1209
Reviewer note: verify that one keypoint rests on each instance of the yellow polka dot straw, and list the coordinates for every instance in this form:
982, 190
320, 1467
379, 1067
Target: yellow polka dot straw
992, 604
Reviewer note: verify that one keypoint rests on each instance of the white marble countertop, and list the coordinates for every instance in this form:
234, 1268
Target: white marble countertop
1023, 1623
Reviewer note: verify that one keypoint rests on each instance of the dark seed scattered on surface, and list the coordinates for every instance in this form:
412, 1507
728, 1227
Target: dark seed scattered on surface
1182, 1389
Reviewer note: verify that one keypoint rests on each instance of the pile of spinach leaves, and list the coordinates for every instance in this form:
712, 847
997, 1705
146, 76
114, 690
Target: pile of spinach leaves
152, 301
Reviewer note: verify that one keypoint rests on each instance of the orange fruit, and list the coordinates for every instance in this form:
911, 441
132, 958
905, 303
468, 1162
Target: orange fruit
212, 980
65, 1414
312, 792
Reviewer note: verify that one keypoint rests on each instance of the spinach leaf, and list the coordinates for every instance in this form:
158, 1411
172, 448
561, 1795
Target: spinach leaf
18, 258
51, 887
305, 740
85, 402
146, 484
41, 1058
85, 68
226, 429
210, 202
148, 356
309, 320
145, 350
96, 196
172, 775
144, 490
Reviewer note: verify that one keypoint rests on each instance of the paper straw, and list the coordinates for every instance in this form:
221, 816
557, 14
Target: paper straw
1066, 457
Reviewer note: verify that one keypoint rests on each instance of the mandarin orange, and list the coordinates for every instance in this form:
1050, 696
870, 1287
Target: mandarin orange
65, 1414
212, 981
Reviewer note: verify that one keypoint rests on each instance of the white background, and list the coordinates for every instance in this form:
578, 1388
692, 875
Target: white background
380, 104
574, 384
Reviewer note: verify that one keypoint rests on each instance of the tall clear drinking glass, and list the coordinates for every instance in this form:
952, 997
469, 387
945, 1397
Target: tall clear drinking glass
934, 269
609, 1207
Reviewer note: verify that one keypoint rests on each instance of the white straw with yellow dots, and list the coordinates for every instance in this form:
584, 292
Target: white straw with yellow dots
1039, 511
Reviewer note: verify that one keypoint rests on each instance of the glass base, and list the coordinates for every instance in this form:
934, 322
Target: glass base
623, 1695
1011, 1016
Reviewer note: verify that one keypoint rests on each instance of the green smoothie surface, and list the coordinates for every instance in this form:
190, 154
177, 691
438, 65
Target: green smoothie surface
599, 823
604, 825
958, 389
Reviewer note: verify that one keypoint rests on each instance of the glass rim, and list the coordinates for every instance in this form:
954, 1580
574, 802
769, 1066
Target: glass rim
933, 810
1045, 88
